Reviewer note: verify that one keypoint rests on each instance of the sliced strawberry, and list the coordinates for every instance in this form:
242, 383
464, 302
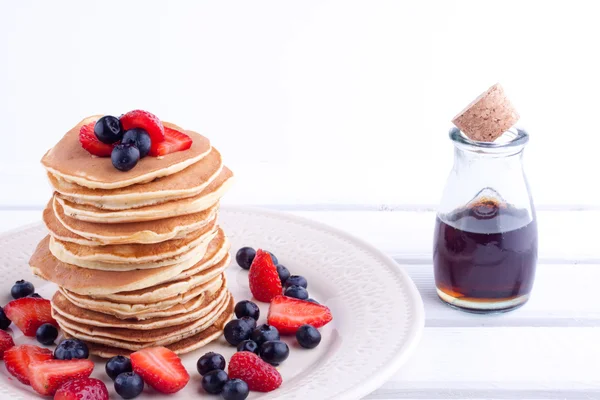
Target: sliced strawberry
6, 342
174, 141
18, 358
148, 122
160, 368
90, 142
82, 389
263, 277
259, 375
28, 313
47, 376
288, 314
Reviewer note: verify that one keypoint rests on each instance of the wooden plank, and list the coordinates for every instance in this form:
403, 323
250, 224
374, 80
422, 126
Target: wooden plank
500, 363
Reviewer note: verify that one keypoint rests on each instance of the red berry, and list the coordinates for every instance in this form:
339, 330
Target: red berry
47, 376
6, 342
174, 141
288, 314
90, 142
160, 368
259, 375
18, 358
148, 122
82, 389
263, 277
29, 313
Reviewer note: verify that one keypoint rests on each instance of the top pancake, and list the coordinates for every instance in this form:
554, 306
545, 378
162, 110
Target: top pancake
69, 161
189, 182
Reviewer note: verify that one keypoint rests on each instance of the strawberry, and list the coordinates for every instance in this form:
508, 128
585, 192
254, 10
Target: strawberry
288, 314
148, 122
6, 342
90, 142
82, 389
174, 141
47, 376
160, 368
29, 313
18, 358
259, 375
263, 277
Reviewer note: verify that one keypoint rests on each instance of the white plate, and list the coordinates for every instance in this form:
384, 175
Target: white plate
378, 313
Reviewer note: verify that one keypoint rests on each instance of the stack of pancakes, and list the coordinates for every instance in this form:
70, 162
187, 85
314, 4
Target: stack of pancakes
138, 256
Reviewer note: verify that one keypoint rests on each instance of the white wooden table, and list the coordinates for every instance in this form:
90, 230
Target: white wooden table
548, 349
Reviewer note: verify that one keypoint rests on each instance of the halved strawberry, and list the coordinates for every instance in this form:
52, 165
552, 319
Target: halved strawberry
90, 142
148, 122
28, 313
288, 314
263, 277
82, 389
18, 358
259, 375
6, 342
160, 368
47, 376
174, 141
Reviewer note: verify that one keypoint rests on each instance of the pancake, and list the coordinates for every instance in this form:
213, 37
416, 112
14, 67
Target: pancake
59, 231
147, 310
83, 256
136, 340
179, 287
184, 346
206, 199
73, 230
71, 162
98, 282
62, 306
189, 182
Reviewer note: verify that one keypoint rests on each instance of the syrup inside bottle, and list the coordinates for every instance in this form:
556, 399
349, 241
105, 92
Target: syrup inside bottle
485, 252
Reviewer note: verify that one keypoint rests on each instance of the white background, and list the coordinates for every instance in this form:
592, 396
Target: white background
313, 103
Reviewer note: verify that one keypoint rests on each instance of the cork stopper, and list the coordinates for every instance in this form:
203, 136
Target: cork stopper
488, 116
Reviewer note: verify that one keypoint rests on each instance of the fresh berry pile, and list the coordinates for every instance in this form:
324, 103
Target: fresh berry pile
131, 137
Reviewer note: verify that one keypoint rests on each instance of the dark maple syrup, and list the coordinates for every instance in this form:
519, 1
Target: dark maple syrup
485, 256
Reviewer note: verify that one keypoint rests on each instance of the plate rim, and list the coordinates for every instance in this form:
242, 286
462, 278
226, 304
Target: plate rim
413, 334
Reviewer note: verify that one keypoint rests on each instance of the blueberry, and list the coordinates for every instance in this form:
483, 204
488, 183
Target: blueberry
210, 362
46, 334
275, 260
264, 333
214, 381
297, 292
274, 352
296, 280
246, 308
21, 289
308, 336
235, 389
138, 138
129, 385
117, 365
35, 295
245, 256
248, 345
313, 301
124, 157
108, 129
4, 321
250, 321
69, 349
237, 331
283, 272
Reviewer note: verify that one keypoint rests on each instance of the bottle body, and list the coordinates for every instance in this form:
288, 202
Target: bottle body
485, 241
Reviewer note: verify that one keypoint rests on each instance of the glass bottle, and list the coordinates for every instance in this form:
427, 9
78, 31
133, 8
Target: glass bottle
485, 241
